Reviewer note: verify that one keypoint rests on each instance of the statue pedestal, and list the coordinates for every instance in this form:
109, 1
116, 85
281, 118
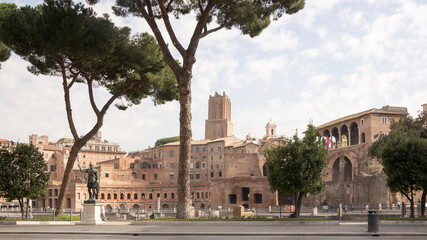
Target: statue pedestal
91, 213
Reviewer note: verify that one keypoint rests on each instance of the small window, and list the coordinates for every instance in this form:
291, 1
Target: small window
191, 176
165, 196
198, 195
171, 165
191, 165
142, 195
220, 174
173, 195
232, 198
143, 176
203, 165
219, 147
383, 120
150, 196
135, 196
212, 174
56, 192
128, 196
155, 176
107, 175
115, 195
171, 176
122, 196
109, 196
204, 149
197, 164
197, 149
258, 198
160, 165
158, 195
362, 121
171, 153
132, 166
197, 175
50, 192
160, 155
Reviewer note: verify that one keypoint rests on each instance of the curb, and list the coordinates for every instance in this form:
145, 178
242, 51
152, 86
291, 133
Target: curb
239, 223
324, 234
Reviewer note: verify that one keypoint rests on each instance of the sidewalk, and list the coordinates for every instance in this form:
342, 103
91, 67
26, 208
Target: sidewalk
215, 229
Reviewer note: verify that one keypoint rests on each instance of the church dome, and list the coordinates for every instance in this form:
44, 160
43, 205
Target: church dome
270, 124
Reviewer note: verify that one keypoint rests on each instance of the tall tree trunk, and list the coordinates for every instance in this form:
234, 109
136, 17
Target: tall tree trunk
412, 205
423, 203
185, 133
26, 208
298, 204
66, 179
21, 206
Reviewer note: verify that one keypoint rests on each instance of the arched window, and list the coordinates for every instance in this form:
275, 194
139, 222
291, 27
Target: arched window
158, 195
122, 196
165, 196
135, 196
203, 195
109, 196
115, 195
134, 175
128, 196
173, 195
150, 196
102, 196
198, 195
142, 195
363, 137
264, 170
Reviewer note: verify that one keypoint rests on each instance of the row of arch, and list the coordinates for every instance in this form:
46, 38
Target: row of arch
121, 196
345, 136
109, 207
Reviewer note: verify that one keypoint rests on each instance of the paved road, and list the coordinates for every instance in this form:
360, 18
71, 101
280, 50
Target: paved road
87, 237
212, 230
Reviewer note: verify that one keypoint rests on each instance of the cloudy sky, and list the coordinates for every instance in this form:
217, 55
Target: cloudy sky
332, 59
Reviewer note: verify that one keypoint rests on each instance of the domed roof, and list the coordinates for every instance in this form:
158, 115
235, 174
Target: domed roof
270, 124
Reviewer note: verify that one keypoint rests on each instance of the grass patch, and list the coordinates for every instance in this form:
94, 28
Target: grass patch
64, 217
404, 219
231, 219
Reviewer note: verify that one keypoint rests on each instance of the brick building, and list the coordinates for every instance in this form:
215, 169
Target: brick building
224, 171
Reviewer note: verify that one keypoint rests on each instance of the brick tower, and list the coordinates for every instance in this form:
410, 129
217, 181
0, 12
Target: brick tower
219, 122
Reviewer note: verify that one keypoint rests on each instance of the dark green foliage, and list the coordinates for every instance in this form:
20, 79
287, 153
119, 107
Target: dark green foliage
4, 50
21, 174
297, 167
403, 154
163, 141
4, 53
60, 37
251, 17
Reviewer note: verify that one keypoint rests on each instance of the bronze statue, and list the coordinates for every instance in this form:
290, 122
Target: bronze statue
92, 180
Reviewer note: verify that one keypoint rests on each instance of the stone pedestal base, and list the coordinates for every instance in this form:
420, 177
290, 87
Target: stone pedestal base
91, 213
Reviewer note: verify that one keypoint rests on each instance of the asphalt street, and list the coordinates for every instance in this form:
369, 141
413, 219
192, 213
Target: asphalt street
210, 230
